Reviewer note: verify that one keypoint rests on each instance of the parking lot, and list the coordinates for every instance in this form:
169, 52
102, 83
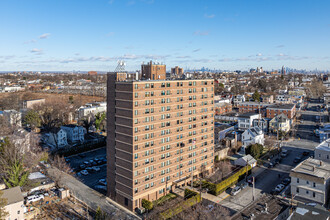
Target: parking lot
267, 180
94, 162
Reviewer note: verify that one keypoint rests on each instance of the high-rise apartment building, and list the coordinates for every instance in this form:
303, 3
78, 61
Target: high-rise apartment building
177, 71
153, 71
160, 136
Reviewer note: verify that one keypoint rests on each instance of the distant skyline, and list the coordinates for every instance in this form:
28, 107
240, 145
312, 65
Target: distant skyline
62, 35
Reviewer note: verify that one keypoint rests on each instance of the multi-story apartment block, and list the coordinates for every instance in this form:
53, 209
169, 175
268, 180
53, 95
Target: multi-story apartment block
245, 121
160, 136
288, 109
177, 71
311, 180
223, 108
153, 71
34, 102
245, 107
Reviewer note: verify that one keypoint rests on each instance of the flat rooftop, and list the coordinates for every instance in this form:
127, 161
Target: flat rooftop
284, 106
313, 167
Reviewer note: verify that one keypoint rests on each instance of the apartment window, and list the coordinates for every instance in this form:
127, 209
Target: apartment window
136, 156
314, 184
162, 85
136, 103
297, 190
307, 192
135, 121
307, 182
136, 164
136, 130
136, 86
297, 180
147, 85
126, 201
136, 95
314, 194
136, 112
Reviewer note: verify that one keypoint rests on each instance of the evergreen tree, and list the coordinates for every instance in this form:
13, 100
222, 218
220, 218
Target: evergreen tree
256, 96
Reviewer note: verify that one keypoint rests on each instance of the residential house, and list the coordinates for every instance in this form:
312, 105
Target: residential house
279, 123
238, 99
15, 203
14, 117
246, 160
262, 123
253, 136
92, 108
288, 109
245, 121
310, 180
74, 133
322, 151
56, 138
22, 140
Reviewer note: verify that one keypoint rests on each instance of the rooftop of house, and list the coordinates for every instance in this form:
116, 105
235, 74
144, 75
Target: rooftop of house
248, 115
281, 118
249, 159
266, 207
13, 195
325, 145
254, 131
313, 167
307, 212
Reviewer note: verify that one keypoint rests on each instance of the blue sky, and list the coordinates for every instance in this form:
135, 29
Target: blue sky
222, 34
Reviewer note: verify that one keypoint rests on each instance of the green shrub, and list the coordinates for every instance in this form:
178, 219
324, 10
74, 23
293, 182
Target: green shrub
147, 204
219, 188
216, 158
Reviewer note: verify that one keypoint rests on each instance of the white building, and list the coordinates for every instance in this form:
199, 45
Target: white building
245, 121
14, 117
92, 108
311, 180
322, 152
56, 138
15, 203
246, 160
253, 136
11, 89
74, 133
237, 99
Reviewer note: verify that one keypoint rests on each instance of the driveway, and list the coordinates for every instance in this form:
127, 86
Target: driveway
91, 197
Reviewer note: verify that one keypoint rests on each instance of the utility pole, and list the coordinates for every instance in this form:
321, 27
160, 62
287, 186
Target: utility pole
253, 182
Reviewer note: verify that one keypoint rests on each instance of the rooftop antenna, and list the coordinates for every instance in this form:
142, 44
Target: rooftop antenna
121, 66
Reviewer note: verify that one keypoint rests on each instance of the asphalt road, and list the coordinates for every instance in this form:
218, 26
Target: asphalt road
92, 179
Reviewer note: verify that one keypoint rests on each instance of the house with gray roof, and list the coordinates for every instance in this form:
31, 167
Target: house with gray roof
15, 203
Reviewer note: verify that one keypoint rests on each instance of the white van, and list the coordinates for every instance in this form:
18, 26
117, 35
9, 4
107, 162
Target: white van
34, 198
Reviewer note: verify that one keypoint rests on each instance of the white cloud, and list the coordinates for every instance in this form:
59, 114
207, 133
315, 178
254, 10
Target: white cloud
36, 51
201, 33
259, 55
209, 15
30, 41
44, 36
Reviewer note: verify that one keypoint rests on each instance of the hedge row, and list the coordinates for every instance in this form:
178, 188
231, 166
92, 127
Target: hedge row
219, 188
180, 207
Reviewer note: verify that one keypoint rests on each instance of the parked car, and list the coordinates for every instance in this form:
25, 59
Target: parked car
277, 161
89, 169
103, 182
305, 153
94, 163
96, 169
279, 187
84, 172
34, 198
100, 187
82, 166
86, 163
235, 191
244, 185
297, 160
286, 181
284, 154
